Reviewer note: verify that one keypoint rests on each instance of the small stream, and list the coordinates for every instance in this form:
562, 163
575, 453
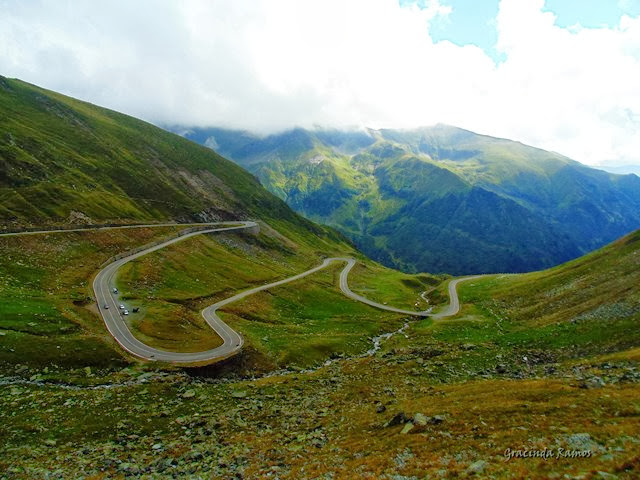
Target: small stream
385, 336
143, 379
377, 341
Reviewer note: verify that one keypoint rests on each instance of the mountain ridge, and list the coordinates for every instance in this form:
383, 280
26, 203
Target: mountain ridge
68, 161
368, 182
325, 386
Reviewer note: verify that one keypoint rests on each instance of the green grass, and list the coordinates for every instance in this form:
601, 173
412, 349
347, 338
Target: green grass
46, 315
174, 284
572, 323
328, 422
395, 288
171, 327
581, 309
68, 161
600, 287
317, 424
300, 324
305, 323
64, 157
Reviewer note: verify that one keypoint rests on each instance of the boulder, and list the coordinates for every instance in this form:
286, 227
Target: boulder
477, 468
420, 419
397, 419
407, 428
436, 419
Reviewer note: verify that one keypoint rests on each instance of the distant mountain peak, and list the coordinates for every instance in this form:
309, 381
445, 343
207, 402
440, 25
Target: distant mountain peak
441, 198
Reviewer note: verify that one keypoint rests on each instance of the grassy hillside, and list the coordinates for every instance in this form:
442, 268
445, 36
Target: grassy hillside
585, 307
48, 318
299, 325
67, 161
547, 360
440, 199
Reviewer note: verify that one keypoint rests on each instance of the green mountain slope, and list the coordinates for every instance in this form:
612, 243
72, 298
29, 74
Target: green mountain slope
588, 306
556, 350
440, 199
63, 160
66, 161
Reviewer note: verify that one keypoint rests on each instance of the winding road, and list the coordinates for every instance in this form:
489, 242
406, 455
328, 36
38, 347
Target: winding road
454, 303
452, 309
104, 284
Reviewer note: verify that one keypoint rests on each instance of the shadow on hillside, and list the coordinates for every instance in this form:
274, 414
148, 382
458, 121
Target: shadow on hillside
248, 363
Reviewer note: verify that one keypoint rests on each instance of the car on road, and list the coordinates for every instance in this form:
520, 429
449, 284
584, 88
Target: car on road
106, 307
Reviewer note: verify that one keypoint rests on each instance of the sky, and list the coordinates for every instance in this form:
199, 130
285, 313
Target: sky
562, 75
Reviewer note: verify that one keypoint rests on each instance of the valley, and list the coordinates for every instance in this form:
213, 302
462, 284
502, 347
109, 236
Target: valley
345, 368
439, 199
112, 311
479, 380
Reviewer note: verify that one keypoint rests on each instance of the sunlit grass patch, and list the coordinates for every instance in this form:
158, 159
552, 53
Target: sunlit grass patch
45, 299
407, 291
307, 322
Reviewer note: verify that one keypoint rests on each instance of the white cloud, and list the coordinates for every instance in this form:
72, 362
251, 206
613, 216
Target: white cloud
571, 91
272, 64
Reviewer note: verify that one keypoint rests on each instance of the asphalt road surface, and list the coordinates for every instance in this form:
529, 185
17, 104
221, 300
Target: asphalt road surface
104, 283
454, 304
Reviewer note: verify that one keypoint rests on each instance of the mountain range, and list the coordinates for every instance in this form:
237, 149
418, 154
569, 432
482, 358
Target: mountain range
324, 386
439, 199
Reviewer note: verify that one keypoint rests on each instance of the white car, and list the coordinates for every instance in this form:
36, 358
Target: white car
121, 307
126, 312
115, 290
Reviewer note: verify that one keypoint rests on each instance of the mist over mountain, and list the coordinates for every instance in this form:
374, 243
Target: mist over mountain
621, 169
439, 199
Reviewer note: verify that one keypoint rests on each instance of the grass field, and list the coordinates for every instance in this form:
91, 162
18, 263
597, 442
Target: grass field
300, 324
47, 317
309, 321
326, 423
46, 312
530, 363
396, 288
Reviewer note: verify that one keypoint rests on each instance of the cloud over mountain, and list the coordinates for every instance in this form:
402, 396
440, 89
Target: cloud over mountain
268, 65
